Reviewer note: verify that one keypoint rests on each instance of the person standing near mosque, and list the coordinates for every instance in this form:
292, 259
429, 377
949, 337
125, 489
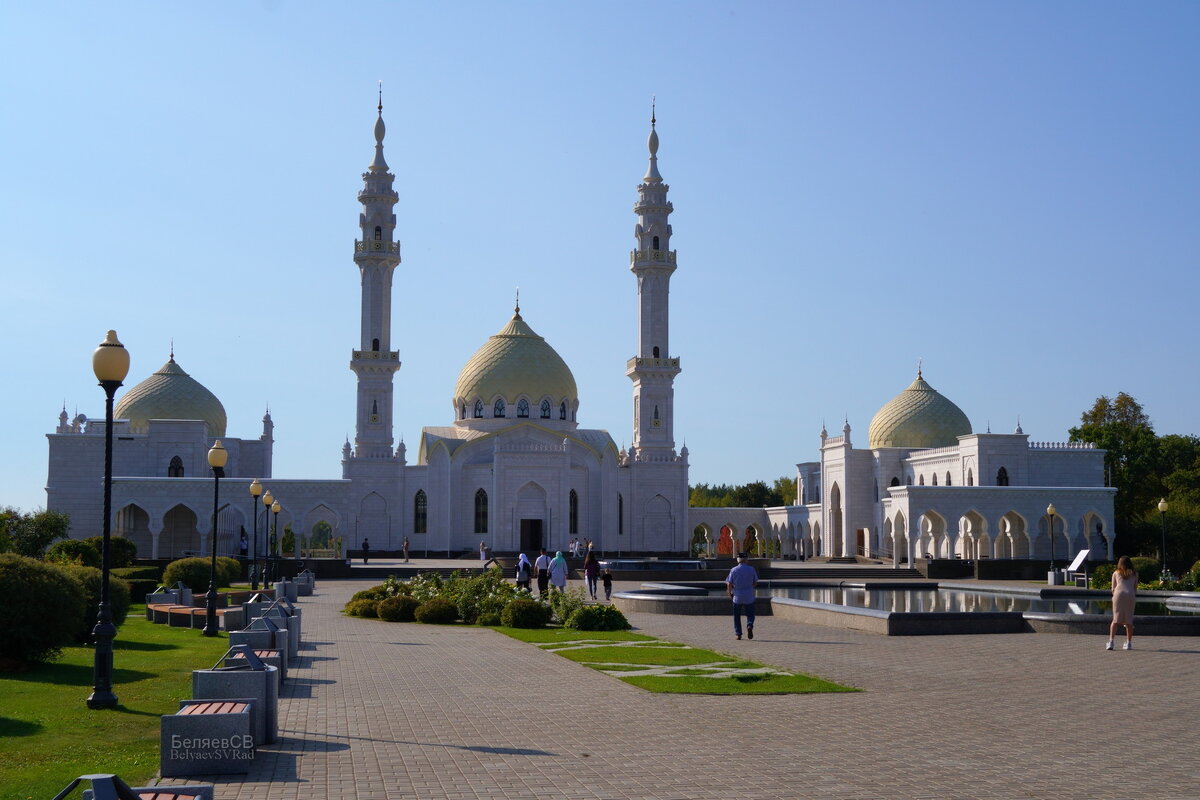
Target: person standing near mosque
558, 572
366, 550
740, 584
591, 571
541, 571
404, 547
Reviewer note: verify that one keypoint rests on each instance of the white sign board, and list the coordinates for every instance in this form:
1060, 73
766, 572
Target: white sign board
1078, 562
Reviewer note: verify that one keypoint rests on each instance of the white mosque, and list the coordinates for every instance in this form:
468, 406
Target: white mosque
515, 470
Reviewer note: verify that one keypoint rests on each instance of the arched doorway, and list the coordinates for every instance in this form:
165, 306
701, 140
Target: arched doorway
725, 542
699, 548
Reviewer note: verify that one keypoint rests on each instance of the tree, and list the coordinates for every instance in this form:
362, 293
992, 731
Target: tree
1121, 428
30, 534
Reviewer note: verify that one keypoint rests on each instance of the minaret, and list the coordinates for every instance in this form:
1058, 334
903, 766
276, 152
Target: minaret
376, 255
653, 370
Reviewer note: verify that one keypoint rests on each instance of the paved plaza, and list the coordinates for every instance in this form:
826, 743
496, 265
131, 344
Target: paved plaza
376, 710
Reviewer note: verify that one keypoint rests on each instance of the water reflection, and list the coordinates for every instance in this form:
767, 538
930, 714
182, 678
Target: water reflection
960, 601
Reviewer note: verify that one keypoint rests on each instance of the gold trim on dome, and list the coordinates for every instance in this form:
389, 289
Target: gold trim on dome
516, 362
918, 417
170, 393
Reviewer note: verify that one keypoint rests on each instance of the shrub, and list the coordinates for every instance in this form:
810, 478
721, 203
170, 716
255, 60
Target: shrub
525, 612
1148, 569
437, 611
194, 573
121, 551
42, 609
118, 599
490, 618
375, 593
597, 618
397, 609
475, 595
229, 571
1102, 576
362, 608
138, 573
565, 603
74, 551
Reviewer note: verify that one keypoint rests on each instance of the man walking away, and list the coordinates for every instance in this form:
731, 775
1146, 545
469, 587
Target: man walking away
740, 585
541, 570
366, 550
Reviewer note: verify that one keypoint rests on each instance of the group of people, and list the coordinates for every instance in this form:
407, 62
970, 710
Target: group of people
577, 547
553, 572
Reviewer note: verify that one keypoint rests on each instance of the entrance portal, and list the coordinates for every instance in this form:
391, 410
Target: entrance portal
531, 535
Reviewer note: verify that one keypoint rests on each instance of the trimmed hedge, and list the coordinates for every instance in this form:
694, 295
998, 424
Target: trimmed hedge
436, 612
118, 599
597, 618
194, 573
397, 609
74, 551
1148, 569
362, 608
121, 551
524, 612
43, 606
230, 571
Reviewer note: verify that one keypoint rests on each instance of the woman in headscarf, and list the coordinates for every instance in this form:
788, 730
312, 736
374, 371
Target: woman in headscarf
558, 571
524, 572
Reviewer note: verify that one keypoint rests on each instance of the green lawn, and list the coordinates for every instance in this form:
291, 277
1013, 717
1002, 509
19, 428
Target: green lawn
48, 735
648, 654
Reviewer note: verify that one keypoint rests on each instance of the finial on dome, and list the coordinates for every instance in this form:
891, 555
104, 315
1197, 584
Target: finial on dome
380, 106
1018, 430
517, 305
653, 104
652, 175
172, 348
919, 362
379, 165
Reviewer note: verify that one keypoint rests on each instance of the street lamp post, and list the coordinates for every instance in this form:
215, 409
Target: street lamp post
1050, 510
275, 509
267, 500
217, 457
1165, 575
255, 490
110, 362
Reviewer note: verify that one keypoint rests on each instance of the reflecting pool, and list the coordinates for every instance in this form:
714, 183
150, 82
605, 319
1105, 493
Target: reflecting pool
963, 601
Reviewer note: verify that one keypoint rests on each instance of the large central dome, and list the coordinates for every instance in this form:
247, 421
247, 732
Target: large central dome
918, 417
170, 393
515, 363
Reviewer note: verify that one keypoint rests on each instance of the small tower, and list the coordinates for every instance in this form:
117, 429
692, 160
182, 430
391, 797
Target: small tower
653, 369
377, 255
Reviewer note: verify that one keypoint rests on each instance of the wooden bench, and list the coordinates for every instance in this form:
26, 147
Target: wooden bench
207, 736
107, 785
191, 616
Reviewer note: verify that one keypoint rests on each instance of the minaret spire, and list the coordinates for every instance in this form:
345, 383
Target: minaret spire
653, 369
377, 255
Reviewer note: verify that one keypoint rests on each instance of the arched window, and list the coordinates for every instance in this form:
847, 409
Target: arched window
895, 481
420, 512
656, 351
498, 409
175, 469
935, 479
545, 409
462, 411
375, 345
481, 511
970, 477
378, 233
655, 242
620, 515
478, 409
948, 483
876, 491
921, 480
573, 513
523, 408
562, 410
1002, 477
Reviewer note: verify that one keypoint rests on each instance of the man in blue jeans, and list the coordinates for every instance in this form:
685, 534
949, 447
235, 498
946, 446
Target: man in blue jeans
740, 584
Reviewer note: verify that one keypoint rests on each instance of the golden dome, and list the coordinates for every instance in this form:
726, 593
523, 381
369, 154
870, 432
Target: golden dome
170, 393
918, 417
515, 362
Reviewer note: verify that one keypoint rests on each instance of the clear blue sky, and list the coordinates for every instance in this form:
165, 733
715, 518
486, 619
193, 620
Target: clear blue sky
1008, 190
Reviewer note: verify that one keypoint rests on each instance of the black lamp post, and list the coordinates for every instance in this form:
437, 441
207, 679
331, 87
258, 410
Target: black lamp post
1162, 513
275, 509
267, 500
1050, 513
255, 490
217, 457
110, 362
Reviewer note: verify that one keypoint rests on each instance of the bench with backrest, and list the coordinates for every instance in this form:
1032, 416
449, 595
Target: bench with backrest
207, 737
274, 657
235, 680
192, 617
110, 787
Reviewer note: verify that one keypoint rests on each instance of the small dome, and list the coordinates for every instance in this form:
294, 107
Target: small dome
515, 362
170, 393
918, 417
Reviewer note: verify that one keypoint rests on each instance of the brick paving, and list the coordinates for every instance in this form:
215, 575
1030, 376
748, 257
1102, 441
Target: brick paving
377, 710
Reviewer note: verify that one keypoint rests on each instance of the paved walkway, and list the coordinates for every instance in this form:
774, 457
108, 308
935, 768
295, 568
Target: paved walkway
377, 710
